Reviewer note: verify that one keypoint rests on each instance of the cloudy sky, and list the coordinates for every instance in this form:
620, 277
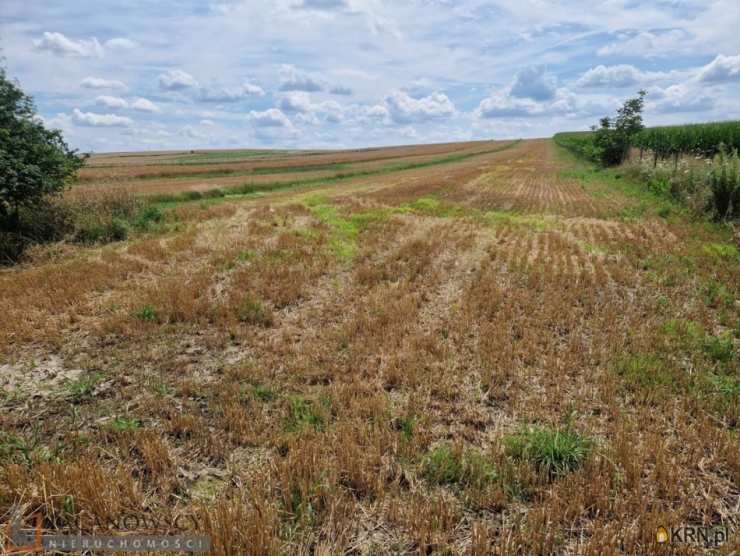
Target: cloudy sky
145, 74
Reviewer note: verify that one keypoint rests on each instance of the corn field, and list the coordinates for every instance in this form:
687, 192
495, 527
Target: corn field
697, 139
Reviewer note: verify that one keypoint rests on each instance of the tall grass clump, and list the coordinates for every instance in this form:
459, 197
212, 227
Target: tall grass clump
554, 451
724, 181
102, 217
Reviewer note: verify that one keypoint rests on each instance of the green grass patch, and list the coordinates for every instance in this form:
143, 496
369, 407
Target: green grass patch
121, 424
83, 387
303, 413
146, 314
724, 251
253, 311
247, 255
716, 294
431, 206
407, 425
449, 465
720, 348
555, 451
343, 230
725, 385
11, 445
686, 331
645, 373
263, 393
592, 249
604, 182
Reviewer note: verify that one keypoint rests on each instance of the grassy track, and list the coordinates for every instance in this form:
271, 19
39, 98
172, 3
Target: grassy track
492, 352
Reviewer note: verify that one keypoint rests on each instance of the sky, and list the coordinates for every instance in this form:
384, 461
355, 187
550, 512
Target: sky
161, 74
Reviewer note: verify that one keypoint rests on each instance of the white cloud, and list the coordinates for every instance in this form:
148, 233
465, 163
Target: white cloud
58, 44
340, 90
648, 44
295, 80
405, 109
682, 97
501, 105
565, 103
207, 122
229, 94
191, 133
534, 82
332, 111
92, 119
121, 43
269, 118
623, 75
311, 113
376, 112
144, 105
140, 104
111, 102
175, 80
296, 103
722, 68
60, 121
100, 83
322, 4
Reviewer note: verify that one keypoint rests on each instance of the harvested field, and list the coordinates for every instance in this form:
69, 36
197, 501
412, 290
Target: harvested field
470, 348
198, 172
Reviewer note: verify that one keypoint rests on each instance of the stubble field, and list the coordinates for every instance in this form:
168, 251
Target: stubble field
468, 348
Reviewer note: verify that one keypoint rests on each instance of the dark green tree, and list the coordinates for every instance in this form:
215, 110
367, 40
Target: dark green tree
35, 162
613, 138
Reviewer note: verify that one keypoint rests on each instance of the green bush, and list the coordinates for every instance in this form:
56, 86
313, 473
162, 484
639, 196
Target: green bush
192, 195
100, 230
146, 216
41, 223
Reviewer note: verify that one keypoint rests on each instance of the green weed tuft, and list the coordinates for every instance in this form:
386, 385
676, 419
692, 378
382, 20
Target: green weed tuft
121, 424
253, 311
83, 387
721, 251
146, 314
302, 413
646, 373
147, 217
555, 451
448, 465
720, 348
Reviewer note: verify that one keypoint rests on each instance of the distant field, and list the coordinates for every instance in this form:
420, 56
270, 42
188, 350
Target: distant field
473, 348
171, 173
